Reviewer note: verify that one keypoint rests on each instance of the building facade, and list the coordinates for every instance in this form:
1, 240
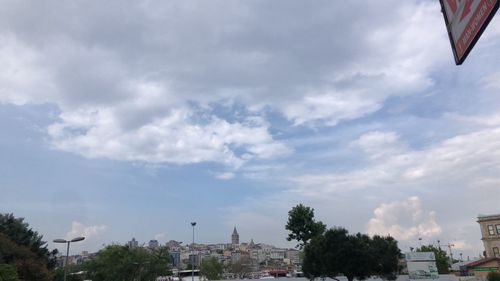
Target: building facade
490, 234
133, 243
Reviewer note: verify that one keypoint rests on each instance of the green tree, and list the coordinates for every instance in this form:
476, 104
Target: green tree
302, 225
313, 262
354, 256
8, 273
350, 254
211, 268
24, 248
386, 254
116, 262
20, 233
442, 259
334, 251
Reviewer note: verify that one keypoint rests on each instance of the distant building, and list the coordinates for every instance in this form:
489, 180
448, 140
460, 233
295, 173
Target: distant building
293, 256
175, 258
174, 245
490, 232
153, 244
133, 243
235, 237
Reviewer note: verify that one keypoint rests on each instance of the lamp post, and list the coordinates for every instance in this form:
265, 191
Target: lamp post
67, 250
192, 246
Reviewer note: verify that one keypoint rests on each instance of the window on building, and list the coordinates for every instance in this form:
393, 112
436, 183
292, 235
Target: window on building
498, 229
496, 253
491, 231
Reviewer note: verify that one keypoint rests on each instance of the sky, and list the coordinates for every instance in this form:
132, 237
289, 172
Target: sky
133, 119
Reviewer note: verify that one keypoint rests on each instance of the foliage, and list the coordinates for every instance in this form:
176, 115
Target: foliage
118, 262
386, 254
8, 272
334, 251
354, 256
493, 276
442, 259
211, 268
22, 247
302, 225
20, 233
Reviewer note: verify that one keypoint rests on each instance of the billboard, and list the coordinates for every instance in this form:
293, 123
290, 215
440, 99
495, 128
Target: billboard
421, 266
465, 21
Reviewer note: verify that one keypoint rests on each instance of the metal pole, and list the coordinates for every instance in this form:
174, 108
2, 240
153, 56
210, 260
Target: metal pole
192, 247
66, 263
192, 264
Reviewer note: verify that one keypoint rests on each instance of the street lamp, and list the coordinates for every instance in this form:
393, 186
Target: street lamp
67, 250
192, 246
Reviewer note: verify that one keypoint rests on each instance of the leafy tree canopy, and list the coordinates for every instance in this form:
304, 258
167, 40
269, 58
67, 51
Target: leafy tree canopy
442, 259
211, 268
8, 273
23, 248
302, 225
20, 233
334, 251
117, 262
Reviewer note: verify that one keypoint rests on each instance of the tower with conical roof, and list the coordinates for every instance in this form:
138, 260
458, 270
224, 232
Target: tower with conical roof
235, 237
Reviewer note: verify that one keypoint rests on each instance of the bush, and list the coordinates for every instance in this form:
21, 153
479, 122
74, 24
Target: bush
493, 276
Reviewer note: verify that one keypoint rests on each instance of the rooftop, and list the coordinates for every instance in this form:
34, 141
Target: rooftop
481, 218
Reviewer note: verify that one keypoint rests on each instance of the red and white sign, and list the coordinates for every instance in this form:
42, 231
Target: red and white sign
465, 21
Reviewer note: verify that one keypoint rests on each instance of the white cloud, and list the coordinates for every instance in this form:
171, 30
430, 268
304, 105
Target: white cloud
141, 101
330, 108
23, 79
378, 144
404, 220
224, 175
169, 138
397, 61
79, 229
468, 159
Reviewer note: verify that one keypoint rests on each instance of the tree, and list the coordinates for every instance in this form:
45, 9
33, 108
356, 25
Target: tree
354, 256
386, 255
24, 248
442, 259
302, 226
8, 273
335, 251
211, 268
117, 262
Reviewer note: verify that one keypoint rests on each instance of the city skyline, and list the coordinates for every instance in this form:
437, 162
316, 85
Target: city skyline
133, 119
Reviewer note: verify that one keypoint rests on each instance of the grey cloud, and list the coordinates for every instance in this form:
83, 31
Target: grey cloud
286, 56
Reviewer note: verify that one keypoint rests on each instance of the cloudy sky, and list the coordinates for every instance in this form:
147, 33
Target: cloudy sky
123, 120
